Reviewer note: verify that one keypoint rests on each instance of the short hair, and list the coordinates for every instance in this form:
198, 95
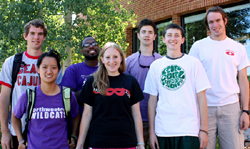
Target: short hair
89, 36
36, 23
214, 9
174, 26
145, 22
50, 53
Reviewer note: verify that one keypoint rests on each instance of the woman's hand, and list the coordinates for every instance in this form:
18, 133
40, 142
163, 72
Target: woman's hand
72, 145
140, 147
21, 144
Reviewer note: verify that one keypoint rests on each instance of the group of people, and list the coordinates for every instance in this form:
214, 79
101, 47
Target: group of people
177, 101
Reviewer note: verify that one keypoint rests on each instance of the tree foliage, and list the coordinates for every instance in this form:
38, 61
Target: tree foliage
238, 25
104, 20
194, 31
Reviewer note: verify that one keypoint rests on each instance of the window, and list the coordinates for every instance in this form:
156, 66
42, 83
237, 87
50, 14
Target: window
238, 26
161, 47
136, 41
194, 28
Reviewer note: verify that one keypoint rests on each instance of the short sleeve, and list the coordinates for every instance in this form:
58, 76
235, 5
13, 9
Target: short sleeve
244, 61
6, 72
21, 105
136, 94
150, 86
74, 106
87, 95
201, 80
69, 78
194, 51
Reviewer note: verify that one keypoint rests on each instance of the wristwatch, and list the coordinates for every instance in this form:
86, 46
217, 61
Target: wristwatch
247, 111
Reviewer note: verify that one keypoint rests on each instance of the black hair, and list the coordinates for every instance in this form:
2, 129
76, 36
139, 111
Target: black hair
175, 26
50, 53
215, 9
89, 36
145, 22
36, 23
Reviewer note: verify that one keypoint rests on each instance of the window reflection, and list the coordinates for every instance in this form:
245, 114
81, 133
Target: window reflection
161, 47
238, 26
195, 29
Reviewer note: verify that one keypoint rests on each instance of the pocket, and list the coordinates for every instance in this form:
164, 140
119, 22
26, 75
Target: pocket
240, 130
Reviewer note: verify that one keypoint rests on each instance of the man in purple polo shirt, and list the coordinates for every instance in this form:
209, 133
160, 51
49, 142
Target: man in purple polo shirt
138, 65
77, 74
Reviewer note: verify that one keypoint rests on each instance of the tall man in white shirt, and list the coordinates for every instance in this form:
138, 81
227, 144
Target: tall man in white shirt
35, 33
224, 59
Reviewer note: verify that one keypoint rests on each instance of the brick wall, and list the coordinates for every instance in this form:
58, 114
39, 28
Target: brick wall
158, 10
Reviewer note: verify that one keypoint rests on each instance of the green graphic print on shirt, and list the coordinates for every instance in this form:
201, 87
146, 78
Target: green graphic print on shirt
173, 77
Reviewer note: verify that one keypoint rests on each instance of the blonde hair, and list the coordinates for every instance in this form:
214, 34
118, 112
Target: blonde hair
101, 79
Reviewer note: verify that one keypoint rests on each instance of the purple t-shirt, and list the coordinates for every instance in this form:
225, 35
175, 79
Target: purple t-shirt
48, 124
133, 68
76, 75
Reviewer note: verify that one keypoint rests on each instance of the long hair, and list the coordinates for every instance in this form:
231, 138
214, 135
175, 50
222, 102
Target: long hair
101, 80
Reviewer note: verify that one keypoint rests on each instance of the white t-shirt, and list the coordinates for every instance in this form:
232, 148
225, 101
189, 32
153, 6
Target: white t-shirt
176, 82
26, 78
221, 61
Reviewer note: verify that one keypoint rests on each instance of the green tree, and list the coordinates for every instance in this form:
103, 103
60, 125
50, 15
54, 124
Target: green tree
194, 31
238, 25
105, 20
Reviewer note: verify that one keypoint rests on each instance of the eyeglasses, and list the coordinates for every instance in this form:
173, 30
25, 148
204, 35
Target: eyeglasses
89, 44
139, 60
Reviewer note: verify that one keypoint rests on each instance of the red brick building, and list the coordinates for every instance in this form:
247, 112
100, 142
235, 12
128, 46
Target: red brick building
189, 14
182, 12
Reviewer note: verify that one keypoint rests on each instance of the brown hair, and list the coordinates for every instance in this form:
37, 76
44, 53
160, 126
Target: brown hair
36, 23
101, 79
214, 9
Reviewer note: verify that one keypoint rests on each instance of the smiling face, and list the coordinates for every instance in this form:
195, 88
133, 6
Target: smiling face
48, 70
146, 35
217, 25
35, 38
90, 52
112, 61
173, 39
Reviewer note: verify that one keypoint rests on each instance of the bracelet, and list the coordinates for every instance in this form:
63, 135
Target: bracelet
246, 111
140, 144
74, 136
21, 140
204, 131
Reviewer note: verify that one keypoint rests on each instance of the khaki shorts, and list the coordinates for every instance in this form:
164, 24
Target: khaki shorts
224, 122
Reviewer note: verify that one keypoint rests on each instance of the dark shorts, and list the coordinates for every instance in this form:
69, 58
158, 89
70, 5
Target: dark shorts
185, 142
15, 142
145, 129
